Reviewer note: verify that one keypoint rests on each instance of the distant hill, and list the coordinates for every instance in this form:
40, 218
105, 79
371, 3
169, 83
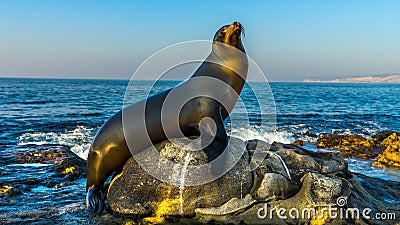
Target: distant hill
395, 78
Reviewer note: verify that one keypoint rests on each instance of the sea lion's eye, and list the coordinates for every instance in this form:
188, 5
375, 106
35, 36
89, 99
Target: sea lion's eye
222, 31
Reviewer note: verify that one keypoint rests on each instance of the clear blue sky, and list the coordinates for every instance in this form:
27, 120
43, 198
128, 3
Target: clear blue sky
290, 40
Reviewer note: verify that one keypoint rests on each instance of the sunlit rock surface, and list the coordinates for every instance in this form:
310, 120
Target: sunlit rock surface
391, 155
137, 193
287, 178
384, 147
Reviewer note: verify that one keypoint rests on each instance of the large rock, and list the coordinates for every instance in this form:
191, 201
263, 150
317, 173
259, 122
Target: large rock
288, 179
139, 194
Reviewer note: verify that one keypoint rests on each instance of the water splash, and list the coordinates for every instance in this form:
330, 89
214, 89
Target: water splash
78, 139
262, 133
283, 163
188, 158
241, 188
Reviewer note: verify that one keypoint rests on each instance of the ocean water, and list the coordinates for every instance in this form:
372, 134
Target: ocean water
69, 112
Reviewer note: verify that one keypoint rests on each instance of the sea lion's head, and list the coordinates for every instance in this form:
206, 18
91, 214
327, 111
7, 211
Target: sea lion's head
231, 35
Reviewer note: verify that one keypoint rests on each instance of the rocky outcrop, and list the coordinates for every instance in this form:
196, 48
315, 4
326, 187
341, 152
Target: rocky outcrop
384, 147
353, 145
58, 167
291, 185
42, 184
391, 155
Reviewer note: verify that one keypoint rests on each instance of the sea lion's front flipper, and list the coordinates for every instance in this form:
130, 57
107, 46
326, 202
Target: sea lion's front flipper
94, 200
214, 139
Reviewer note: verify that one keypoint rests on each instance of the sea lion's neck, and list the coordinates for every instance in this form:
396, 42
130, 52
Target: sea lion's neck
230, 68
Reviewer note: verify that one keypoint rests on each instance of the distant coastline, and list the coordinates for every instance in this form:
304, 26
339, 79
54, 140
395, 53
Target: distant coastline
394, 78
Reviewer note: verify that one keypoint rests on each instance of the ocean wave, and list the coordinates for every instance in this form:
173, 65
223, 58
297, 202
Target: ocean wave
267, 135
78, 139
33, 102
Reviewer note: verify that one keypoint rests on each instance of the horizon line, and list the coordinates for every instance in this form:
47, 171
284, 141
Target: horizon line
124, 79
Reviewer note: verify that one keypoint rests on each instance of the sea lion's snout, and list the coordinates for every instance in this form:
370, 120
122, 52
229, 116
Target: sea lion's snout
230, 34
233, 32
236, 26
236, 31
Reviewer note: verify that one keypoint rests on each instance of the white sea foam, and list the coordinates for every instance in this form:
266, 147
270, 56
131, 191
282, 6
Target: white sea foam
78, 139
283, 164
182, 180
269, 136
82, 150
30, 164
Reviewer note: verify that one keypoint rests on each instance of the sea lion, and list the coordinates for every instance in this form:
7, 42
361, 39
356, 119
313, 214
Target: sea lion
200, 116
